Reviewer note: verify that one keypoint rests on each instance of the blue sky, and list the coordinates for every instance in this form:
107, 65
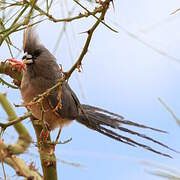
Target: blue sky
124, 74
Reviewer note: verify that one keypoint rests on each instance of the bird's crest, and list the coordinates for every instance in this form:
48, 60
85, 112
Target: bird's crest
30, 40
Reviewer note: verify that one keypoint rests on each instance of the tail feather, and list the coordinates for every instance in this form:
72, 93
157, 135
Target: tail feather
98, 119
106, 115
146, 137
135, 143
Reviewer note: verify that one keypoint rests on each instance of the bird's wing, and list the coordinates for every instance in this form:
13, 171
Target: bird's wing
69, 102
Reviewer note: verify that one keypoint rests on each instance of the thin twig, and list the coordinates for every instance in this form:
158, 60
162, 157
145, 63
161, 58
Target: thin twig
15, 121
99, 19
174, 12
69, 19
40, 97
85, 49
170, 111
2, 81
4, 172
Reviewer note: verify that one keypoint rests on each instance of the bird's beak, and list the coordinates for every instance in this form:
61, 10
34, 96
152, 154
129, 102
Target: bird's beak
27, 59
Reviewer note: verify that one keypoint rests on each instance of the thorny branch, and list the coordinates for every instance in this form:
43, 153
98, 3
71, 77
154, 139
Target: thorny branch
19, 23
19, 165
7, 69
24, 137
2, 81
15, 121
69, 19
103, 4
46, 152
90, 32
8, 152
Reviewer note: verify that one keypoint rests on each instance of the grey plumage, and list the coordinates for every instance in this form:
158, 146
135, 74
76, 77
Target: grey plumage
44, 72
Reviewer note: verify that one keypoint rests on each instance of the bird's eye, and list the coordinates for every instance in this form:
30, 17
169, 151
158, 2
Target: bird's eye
36, 53
24, 57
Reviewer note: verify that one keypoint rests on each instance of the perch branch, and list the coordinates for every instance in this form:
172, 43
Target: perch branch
47, 156
24, 139
15, 121
19, 165
7, 152
6, 68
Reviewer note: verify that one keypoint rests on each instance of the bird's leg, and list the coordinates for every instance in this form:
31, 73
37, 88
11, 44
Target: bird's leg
44, 134
17, 64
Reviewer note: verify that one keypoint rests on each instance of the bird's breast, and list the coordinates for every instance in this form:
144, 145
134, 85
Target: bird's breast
28, 92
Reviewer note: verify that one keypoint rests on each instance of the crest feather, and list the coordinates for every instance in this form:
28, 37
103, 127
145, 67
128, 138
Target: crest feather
30, 40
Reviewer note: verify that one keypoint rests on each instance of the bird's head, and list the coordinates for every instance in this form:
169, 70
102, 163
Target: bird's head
39, 61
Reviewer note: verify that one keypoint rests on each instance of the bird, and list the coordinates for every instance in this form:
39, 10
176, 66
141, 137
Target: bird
42, 72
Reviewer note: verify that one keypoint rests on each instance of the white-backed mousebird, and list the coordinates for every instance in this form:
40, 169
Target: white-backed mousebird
42, 72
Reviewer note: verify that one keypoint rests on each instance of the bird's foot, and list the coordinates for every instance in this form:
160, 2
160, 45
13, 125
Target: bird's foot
17, 64
44, 135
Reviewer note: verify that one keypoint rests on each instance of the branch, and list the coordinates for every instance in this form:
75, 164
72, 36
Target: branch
47, 156
2, 81
19, 165
69, 19
174, 12
170, 111
40, 97
6, 68
15, 121
99, 19
14, 26
24, 139
7, 152
90, 33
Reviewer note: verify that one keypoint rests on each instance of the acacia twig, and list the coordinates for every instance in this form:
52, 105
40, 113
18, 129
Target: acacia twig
7, 152
68, 19
15, 121
19, 165
170, 111
2, 81
24, 139
99, 19
90, 33
7, 68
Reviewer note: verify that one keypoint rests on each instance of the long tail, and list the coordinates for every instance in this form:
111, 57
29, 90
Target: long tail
99, 120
